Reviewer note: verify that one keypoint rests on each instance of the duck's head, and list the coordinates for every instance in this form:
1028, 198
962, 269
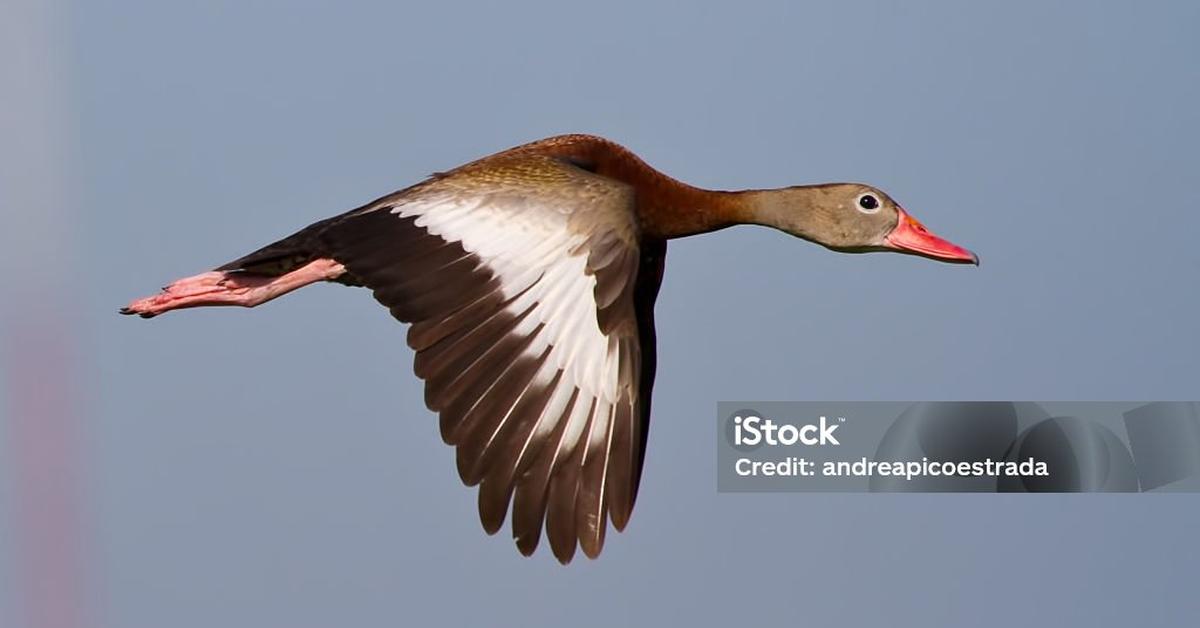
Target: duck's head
854, 218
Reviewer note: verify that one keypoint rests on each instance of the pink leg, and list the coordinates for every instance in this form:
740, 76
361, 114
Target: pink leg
232, 288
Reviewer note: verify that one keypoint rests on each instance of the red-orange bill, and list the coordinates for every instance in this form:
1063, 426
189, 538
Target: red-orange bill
910, 236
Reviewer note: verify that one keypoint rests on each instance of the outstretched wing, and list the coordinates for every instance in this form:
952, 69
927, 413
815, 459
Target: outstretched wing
521, 281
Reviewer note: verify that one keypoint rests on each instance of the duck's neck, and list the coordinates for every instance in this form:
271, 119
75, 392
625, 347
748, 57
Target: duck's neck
796, 210
674, 210
682, 210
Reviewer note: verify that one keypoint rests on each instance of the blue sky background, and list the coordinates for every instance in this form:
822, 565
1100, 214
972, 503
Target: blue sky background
276, 467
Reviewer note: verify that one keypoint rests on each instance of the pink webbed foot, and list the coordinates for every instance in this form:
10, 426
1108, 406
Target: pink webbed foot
232, 288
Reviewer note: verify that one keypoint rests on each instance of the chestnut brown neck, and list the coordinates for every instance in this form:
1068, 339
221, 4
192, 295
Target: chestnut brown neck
667, 208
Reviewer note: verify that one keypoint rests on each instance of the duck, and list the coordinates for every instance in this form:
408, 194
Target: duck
528, 280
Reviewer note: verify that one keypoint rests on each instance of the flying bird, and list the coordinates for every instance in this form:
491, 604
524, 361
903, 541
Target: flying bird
528, 279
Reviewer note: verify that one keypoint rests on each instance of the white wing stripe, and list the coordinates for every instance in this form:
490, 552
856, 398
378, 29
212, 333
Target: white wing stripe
513, 247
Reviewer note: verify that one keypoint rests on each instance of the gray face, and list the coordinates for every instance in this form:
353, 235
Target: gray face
846, 216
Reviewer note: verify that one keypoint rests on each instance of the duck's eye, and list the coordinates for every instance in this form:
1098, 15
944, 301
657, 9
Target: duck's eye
868, 203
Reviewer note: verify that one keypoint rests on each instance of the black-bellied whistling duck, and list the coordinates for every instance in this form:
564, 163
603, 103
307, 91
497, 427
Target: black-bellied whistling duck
529, 279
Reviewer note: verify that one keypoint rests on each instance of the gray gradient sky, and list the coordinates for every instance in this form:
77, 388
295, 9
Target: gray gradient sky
276, 467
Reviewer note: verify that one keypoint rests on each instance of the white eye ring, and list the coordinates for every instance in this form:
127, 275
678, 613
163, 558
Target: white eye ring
868, 203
